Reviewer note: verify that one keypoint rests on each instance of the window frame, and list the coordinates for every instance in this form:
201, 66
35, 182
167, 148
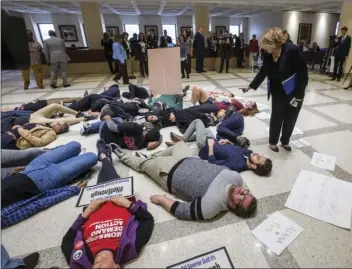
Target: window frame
40, 32
162, 28
239, 30
124, 29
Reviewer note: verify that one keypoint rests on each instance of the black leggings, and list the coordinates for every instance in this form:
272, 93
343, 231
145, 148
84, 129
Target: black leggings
136, 91
107, 172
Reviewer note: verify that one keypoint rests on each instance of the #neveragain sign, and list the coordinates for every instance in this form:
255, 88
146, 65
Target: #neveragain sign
217, 258
106, 190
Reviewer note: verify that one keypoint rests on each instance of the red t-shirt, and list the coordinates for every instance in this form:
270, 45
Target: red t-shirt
104, 227
253, 46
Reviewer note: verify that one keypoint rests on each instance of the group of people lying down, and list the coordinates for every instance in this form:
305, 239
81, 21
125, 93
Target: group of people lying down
210, 183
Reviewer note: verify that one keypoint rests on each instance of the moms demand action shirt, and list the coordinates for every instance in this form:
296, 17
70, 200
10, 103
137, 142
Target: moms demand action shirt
103, 229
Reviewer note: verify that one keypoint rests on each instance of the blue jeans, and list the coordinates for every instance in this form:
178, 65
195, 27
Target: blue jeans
59, 166
7, 262
15, 113
113, 92
95, 127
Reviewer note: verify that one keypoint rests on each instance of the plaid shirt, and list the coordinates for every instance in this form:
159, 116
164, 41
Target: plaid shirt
22, 210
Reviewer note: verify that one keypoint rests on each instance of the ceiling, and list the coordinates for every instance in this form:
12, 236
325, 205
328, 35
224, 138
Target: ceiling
232, 8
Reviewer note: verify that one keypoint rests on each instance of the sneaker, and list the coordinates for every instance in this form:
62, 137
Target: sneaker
116, 149
141, 155
101, 147
66, 85
31, 260
175, 137
185, 89
83, 128
53, 86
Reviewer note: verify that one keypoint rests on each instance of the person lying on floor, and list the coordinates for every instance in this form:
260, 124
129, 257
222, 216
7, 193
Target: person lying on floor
32, 135
249, 108
49, 171
13, 160
28, 262
231, 127
208, 189
129, 135
224, 152
130, 227
93, 102
136, 91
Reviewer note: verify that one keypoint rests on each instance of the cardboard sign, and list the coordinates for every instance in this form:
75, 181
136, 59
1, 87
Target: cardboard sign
263, 116
106, 190
301, 143
277, 232
323, 161
217, 258
322, 197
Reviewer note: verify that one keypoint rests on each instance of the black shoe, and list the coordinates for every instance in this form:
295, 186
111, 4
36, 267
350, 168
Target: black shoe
219, 72
116, 149
333, 78
227, 71
287, 148
185, 89
31, 260
199, 71
85, 93
90, 117
80, 115
66, 85
143, 76
183, 76
53, 86
338, 79
187, 76
133, 77
175, 137
274, 148
346, 88
203, 71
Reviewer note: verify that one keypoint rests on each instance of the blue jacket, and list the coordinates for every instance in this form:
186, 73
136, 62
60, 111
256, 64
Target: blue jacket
231, 127
24, 209
119, 52
231, 156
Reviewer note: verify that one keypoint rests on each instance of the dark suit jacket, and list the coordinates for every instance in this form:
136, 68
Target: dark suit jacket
343, 48
291, 62
163, 42
199, 44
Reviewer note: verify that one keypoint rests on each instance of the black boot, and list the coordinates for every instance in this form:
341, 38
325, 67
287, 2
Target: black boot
30, 261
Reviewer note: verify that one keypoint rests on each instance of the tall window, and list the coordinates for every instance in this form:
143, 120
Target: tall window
44, 28
131, 29
171, 31
337, 28
235, 30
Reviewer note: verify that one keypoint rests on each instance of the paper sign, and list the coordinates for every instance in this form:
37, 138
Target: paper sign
301, 143
262, 106
277, 232
217, 258
263, 115
323, 198
296, 131
106, 190
323, 161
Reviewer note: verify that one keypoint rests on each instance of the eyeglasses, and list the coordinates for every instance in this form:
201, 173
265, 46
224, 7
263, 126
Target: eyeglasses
242, 197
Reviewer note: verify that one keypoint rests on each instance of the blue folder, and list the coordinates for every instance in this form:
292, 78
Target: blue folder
289, 84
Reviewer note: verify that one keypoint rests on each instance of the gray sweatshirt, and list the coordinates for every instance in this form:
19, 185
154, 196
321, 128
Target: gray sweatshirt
204, 186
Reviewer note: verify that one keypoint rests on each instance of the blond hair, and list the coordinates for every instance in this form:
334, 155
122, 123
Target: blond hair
117, 38
272, 38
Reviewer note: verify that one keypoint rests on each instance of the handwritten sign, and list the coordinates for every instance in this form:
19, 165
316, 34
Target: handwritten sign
301, 143
323, 198
263, 116
323, 161
277, 232
215, 259
106, 190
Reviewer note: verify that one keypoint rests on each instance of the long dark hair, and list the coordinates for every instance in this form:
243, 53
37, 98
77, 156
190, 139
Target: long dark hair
187, 34
139, 37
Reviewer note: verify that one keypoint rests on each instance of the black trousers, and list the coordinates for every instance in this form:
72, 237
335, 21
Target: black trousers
122, 72
189, 63
283, 119
107, 172
239, 58
143, 64
110, 61
136, 91
184, 67
199, 63
225, 55
338, 66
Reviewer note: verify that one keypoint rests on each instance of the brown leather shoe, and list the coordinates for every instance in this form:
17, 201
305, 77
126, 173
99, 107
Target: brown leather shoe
175, 137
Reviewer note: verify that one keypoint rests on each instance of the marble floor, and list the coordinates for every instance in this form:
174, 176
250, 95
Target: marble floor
326, 123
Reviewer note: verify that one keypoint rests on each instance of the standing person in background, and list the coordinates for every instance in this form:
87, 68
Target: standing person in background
120, 57
35, 52
287, 73
127, 46
56, 57
106, 42
186, 36
152, 40
241, 55
226, 45
253, 52
165, 40
315, 47
342, 47
134, 43
199, 49
213, 45
287, 36
141, 53
182, 42
238, 51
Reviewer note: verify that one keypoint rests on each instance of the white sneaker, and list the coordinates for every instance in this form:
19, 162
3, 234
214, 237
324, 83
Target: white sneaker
83, 128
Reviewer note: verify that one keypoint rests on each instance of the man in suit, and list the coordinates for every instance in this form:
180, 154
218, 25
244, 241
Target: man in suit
164, 40
342, 46
55, 54
199, 48
239, 48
